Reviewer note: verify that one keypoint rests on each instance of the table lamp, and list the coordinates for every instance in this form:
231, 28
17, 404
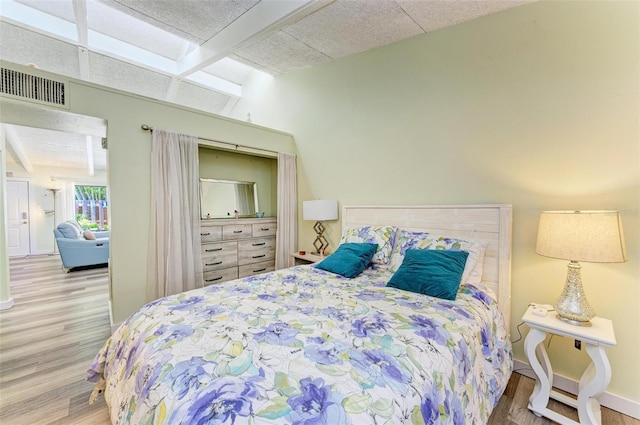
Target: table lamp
320, 210
591, 236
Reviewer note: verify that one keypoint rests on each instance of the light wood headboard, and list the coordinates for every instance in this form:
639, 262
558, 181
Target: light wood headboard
489, 223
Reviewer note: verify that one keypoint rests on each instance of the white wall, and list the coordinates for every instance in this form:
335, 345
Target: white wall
537, 106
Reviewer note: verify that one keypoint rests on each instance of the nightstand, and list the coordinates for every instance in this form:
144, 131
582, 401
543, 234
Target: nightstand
594, 380
297, 259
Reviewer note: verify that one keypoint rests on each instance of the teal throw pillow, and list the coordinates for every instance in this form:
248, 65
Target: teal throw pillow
431, 272
350, 259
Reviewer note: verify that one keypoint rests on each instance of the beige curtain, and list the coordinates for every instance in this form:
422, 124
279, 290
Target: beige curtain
287, 214
174, 264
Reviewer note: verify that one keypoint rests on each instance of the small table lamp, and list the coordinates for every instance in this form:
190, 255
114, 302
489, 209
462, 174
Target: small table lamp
320, 210
591, 236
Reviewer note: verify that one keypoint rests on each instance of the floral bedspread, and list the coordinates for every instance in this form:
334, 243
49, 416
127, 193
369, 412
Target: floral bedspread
304, 346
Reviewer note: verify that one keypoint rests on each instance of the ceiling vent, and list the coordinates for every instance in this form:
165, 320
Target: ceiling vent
26, 86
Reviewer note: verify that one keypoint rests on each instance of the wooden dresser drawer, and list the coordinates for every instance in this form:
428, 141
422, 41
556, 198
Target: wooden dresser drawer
210, 233
217, 256
236, 231
256, 250
266, 229
218, 276
257, 268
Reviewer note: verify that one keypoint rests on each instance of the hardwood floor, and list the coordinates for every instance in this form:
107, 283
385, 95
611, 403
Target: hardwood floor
60, 321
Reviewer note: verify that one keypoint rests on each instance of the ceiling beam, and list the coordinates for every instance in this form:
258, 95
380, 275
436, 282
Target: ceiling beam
89, 140
17, 147
82, 27
259, 21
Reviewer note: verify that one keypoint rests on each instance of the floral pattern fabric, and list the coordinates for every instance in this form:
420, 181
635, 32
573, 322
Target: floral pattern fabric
421, 240
304, 346
384, 236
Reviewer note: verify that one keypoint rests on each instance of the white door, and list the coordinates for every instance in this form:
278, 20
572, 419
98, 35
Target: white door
18, 218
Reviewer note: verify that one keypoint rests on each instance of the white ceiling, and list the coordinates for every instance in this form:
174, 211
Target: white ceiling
198, 53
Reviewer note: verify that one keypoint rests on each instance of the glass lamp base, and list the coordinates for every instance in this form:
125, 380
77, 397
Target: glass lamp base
572, 305
573, 322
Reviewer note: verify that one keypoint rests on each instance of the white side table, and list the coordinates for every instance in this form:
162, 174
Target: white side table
595, 378
297, 259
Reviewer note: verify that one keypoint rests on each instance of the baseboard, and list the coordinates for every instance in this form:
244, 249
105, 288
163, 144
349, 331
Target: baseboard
6, 305
607, 399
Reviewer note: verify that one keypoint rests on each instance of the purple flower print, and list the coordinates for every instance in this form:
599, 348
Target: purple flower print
187, 303
447, 306
189, 375
429, 329
222, 401
334, 314
146, 378
320, 351
381, 368
272, 296
369, 325
317, 405
369, 295
278, 333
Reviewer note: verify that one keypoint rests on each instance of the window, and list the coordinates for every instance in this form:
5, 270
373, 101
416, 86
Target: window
91, 207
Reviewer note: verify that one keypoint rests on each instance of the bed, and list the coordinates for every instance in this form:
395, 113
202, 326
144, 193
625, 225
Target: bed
307, 346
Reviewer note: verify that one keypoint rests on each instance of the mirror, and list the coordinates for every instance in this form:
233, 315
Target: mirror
221, 198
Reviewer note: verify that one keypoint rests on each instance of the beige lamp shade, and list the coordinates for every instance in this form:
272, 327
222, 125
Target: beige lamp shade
320, 210
590, 236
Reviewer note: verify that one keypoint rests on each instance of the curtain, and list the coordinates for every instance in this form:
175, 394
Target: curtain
287, 214
65, 203
174, 264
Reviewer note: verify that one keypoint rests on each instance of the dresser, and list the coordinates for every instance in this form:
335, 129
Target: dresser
236, 248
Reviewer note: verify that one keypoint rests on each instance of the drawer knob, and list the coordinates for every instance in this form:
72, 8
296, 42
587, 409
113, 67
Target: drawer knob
264, 229
213, 279
213, 250
205, 234
237, 231
258, 244
259, 256
213, 264
260, 270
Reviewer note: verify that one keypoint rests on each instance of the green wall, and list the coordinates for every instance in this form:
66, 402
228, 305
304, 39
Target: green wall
537, 106
219, 164
129, 153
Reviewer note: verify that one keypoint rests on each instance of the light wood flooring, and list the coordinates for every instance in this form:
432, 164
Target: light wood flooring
60, 321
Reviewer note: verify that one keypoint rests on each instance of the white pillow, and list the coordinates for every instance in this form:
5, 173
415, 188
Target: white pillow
407, 239
384, 236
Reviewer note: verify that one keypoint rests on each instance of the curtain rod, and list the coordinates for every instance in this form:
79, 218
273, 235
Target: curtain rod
146, 127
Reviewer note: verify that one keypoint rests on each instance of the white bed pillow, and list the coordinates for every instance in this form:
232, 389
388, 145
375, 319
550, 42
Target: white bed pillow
407, 239
384, 236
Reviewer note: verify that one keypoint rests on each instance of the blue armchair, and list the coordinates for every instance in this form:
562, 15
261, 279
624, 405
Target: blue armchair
76, 251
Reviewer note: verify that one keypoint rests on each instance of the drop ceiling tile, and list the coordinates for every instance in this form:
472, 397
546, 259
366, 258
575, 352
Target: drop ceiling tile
194, 96
60, 8
195, 20
230, 70
435, 14
280, 53
121, 75
23, 46
347, 27
123, 27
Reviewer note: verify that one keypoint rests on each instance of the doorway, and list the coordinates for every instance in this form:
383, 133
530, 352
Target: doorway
18, 229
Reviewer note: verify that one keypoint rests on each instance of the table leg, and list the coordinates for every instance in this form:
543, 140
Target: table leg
593, 382
544, 375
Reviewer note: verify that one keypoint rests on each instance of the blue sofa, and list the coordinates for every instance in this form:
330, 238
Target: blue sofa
77, 251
